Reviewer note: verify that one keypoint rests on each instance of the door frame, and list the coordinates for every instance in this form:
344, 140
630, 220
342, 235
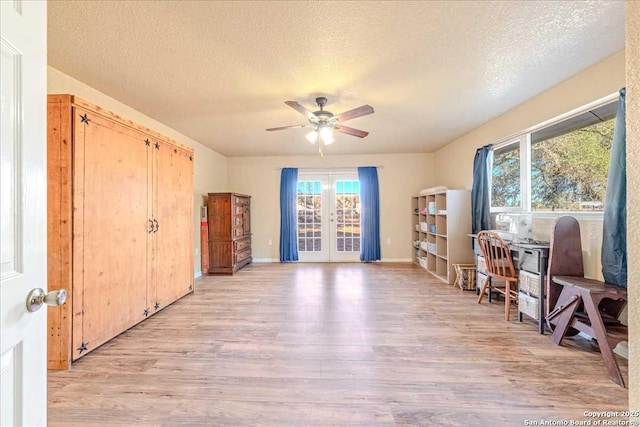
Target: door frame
328, 214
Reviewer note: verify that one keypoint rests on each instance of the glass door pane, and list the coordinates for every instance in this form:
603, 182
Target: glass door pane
311, 215
345, 215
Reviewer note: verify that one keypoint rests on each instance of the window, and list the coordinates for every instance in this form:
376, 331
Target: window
506, 188
561, 167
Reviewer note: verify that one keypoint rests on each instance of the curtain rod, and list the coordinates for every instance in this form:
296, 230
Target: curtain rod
334, 168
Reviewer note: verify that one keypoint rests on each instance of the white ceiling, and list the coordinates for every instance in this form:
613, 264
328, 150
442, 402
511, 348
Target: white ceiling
220, 72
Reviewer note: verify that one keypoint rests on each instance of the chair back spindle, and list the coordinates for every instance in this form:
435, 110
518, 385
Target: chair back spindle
497, 255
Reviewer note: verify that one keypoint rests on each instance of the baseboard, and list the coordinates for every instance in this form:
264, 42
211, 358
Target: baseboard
198, 274
268, 260
622, 349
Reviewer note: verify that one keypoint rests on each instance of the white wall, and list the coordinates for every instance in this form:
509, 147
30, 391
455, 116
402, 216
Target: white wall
633, 202
210, 168
400, 176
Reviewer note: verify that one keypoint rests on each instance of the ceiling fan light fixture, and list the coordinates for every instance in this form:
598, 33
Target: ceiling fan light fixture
312, 136
323, 122
327, 135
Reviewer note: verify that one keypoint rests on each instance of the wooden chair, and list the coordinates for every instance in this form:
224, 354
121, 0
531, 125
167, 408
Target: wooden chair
497, 255
579, 304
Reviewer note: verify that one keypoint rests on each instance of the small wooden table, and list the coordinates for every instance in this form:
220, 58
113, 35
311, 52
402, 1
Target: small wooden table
602, 316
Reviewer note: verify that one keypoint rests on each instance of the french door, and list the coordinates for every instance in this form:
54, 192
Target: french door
328, 218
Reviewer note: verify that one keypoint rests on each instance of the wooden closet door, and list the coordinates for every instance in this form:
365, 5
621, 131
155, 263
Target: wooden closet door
110, 229
173, 266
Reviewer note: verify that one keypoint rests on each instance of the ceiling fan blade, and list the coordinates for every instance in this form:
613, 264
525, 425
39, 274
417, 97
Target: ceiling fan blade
351, 131
300, 109
356, 112
288, 127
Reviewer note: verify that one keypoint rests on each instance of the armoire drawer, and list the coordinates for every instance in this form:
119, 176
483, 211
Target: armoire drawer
243, 244
241, 256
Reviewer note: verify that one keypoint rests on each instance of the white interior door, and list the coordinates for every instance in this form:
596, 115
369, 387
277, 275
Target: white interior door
328, 218
23, 202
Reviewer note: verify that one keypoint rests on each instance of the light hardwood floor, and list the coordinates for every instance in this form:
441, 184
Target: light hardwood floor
332, 344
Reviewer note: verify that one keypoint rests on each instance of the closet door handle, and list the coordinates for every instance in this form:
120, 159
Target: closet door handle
150, 230
37, 298
157, 225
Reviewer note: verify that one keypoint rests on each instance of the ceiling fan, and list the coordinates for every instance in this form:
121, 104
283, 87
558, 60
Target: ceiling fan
323, 123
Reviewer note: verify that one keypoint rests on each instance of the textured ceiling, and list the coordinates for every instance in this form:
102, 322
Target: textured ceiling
220, 72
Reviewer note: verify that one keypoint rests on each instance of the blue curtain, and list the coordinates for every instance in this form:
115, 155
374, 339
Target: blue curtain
288, 215
614, 235
370, 214
480, 203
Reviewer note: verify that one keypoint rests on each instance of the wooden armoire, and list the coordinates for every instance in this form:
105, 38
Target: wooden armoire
229, 232
120, 224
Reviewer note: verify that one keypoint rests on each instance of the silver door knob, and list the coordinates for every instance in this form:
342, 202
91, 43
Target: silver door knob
37, 298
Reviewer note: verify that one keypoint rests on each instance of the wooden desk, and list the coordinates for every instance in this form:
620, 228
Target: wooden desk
531, 260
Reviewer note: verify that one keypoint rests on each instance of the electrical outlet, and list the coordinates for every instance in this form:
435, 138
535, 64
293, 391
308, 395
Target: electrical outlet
270, 242
388, 241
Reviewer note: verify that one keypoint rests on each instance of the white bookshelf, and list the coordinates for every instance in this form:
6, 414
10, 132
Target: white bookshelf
441, 226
